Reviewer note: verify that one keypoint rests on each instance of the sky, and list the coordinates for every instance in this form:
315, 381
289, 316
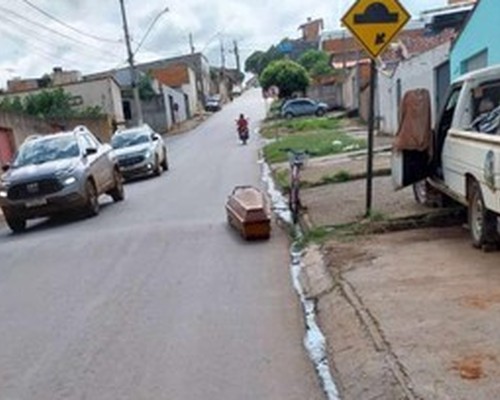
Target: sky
87, 35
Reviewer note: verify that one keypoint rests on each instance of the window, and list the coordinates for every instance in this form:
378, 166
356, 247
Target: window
486, 107
480, 60
88, 142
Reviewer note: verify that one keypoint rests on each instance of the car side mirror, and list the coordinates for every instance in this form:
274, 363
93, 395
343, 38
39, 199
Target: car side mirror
90, 151
154, 137
5, 167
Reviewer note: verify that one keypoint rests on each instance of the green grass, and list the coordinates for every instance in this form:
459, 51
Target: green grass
287, 127
319, 144
317, 235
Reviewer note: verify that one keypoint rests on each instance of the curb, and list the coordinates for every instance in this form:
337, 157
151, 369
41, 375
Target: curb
440, 218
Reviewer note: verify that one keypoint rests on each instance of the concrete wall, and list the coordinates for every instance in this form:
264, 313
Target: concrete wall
414, 73
23, 126
480, 34
104, 93
101, 127
191, 92
350, 100
174, 116
329, 94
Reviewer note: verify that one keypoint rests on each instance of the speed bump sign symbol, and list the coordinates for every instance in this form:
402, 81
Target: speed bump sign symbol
375, 23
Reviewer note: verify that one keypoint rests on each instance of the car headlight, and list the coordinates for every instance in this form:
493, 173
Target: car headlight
147, 153
69, 181
3, 193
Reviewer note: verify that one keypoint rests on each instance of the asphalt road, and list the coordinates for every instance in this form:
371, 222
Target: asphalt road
156, 298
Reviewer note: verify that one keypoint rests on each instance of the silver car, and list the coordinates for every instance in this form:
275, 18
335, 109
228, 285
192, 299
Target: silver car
140, 151
58, 172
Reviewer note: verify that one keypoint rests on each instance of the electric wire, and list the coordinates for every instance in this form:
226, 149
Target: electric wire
40, 50
54, 18
87, 46
148, 31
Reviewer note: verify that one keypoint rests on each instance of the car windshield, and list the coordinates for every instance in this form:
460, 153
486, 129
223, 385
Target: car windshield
127, 139
44, 150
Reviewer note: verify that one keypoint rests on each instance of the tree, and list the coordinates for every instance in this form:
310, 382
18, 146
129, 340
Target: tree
287, 75
316, 62
146, 91
48, 104
313, 57
254, 61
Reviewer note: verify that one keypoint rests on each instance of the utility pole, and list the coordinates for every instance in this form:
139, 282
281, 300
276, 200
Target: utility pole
237, 56
133, 70
222, 55
191, 43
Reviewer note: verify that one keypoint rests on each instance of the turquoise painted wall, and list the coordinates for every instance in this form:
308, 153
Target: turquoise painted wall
482, 33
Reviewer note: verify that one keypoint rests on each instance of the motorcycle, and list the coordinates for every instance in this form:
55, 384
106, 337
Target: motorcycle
243, 134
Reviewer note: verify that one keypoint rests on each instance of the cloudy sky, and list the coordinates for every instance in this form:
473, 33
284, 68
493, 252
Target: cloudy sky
87, 34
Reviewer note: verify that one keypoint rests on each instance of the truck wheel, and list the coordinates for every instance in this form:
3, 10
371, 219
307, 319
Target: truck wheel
117, 193
420, 192
16, 224
164, 163
482, 222
92, 206
157, 169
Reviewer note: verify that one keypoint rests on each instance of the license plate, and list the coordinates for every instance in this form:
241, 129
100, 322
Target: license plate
36, 203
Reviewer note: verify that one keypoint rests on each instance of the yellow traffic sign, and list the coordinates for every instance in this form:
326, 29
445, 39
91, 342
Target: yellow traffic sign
375, 23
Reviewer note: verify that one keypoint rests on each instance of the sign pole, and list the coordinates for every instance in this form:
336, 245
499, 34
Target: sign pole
374, 23
371, 133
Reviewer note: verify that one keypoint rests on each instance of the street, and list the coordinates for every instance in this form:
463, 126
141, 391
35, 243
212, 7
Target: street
156, 298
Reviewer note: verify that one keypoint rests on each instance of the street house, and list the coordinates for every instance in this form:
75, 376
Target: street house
477, 44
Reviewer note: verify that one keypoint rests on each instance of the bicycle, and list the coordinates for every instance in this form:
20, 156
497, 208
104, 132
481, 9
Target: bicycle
296, 159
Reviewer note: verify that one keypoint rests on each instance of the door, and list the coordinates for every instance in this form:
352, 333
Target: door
309, 107
442, 74
411, 166
6, 146
411, 157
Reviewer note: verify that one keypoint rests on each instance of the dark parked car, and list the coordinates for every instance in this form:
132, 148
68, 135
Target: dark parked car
55, 173
213, 103
303, 106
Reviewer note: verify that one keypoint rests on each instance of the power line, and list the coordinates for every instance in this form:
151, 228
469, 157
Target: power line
148, 31
23, 30
54, 18
80, 42
41, 51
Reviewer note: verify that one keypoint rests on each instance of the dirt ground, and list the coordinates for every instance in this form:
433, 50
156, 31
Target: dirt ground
343, 203
411, 315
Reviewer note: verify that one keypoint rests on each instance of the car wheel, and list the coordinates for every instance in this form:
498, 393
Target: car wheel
164, 164
117, 193
15, 223
157, 170
92, 206
320, 112
288, 115
482, 222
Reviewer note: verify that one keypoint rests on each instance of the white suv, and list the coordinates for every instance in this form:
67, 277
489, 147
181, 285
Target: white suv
140, 151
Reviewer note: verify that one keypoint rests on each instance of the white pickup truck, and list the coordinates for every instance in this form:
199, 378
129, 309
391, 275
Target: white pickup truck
463, 158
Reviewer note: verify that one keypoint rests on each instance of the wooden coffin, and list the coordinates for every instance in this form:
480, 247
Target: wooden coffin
248, 212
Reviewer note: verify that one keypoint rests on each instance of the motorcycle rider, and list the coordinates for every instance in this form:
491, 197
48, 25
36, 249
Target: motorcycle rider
242, 124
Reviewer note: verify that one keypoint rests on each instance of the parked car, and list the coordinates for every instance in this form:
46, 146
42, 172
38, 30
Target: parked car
303, 106
140, 152
58, 172
213, 103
